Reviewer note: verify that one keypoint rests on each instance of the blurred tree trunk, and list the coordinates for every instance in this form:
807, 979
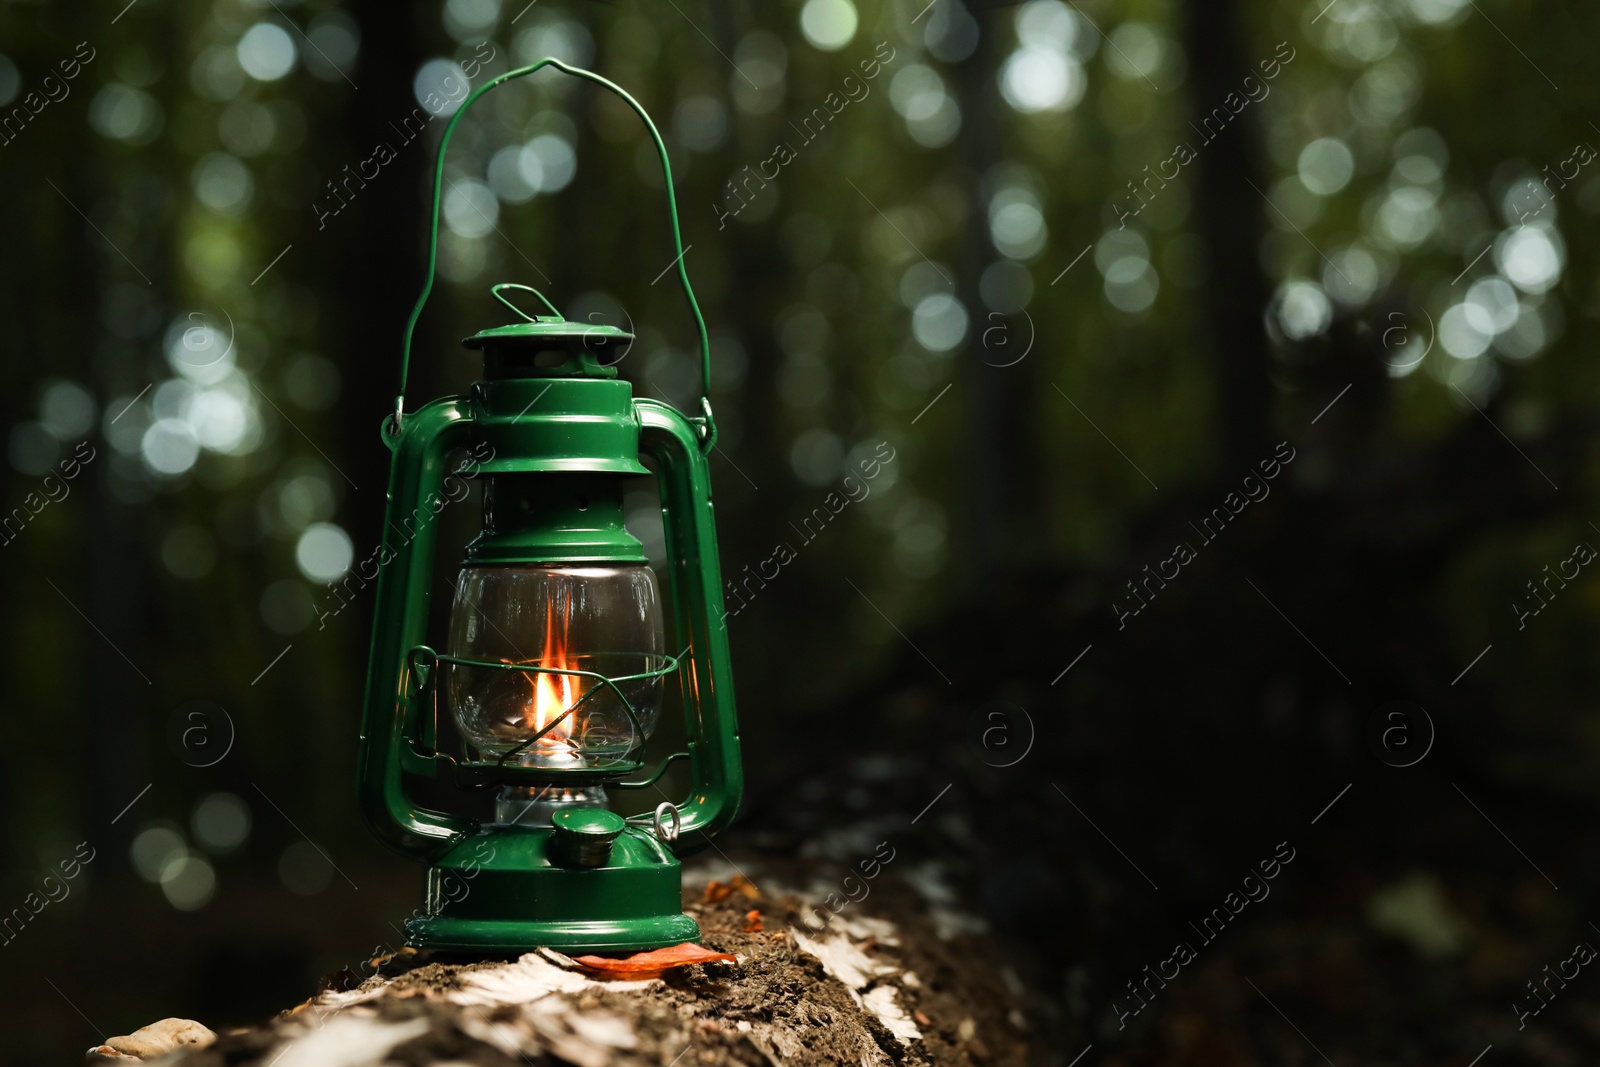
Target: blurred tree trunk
108, 574
374, 261
996, 503
1229, 205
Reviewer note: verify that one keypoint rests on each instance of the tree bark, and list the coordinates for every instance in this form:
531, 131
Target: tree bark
818, 981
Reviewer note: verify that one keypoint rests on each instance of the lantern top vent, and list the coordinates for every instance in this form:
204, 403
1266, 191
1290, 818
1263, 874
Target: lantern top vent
548, 346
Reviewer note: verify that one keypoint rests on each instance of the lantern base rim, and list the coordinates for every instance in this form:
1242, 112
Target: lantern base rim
507, 889
444, 933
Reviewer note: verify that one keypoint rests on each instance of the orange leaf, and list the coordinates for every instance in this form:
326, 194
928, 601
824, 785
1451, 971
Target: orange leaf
752, 921
716, 892
654, 963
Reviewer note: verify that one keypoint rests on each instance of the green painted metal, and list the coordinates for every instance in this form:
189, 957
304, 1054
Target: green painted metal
695, 584
551, 425
567, 425
502, 345
584, 837
554, 518
589, 822
390, 721
504, 890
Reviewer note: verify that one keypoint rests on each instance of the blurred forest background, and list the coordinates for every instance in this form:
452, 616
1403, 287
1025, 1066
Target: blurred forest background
1083, 265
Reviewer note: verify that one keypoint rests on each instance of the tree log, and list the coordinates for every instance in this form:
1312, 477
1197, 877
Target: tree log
812, 985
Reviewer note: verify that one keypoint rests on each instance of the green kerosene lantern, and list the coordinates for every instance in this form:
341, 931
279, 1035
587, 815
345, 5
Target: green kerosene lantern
559, 646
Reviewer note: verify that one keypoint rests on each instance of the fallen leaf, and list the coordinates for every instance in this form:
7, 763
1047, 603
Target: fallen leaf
716, 892
654, 963
752, 921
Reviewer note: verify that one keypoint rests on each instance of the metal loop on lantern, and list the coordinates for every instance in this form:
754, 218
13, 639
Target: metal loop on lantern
664, 808
708, 426
495, 290
423, 660
654, 822
709, 431
392, 423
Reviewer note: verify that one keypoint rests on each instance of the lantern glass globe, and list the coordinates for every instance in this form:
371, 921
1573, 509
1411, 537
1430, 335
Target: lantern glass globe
600, 619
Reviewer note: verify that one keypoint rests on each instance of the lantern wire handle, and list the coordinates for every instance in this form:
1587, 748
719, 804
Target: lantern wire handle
708, 429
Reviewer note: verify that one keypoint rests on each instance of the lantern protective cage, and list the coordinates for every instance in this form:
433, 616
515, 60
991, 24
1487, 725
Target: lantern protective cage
593, 708
558, 651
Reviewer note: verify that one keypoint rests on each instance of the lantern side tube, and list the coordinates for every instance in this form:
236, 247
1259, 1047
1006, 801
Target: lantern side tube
417, 477
695, 575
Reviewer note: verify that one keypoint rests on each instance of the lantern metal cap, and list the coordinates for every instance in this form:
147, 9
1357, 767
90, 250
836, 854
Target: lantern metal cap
545, 331
549, 332
524, 349
582, 836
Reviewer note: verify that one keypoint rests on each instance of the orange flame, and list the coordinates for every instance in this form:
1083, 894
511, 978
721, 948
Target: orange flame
553, 694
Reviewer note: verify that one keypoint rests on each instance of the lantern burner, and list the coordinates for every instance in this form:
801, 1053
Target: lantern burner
535, 805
